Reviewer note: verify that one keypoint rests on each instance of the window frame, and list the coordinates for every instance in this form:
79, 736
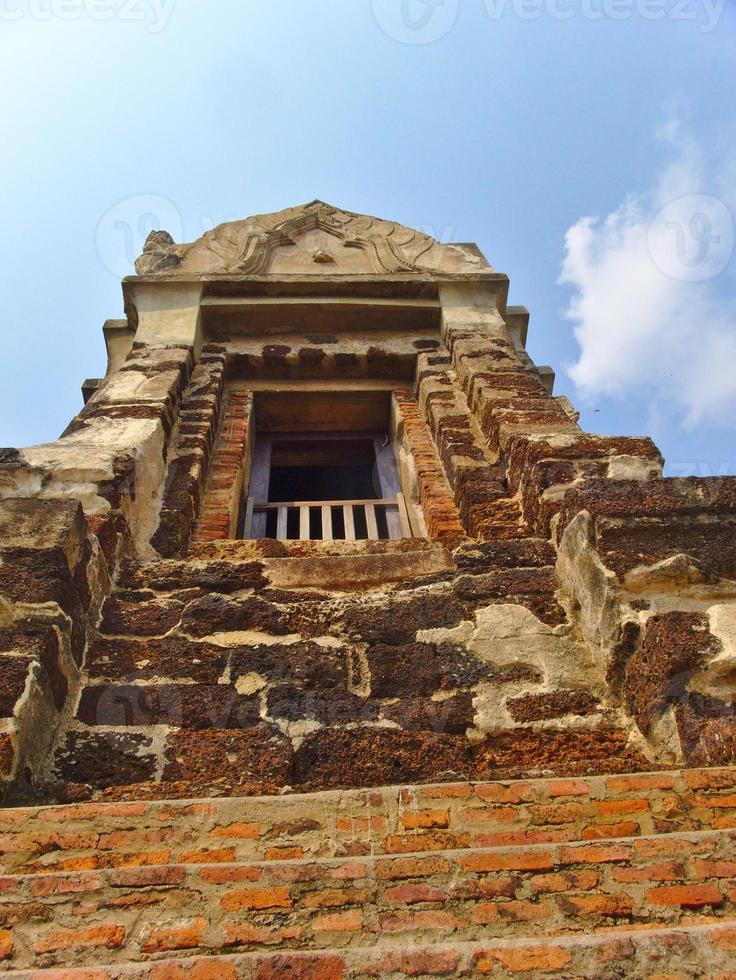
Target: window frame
253, 524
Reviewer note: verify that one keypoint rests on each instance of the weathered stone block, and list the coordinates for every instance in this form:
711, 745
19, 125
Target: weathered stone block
477, 558
307, 665
104, 759
217, 614
373, 757
534, 588
451, 716
707, 730
198, 706
674, 645
41, 644
13, 679
337, 707
397, 620
217, 576
552, 704
259, 757
140, 614
550, 750
175, 657
44, 551
642, 523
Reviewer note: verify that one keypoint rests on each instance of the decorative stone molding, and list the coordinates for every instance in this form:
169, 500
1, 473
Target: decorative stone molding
325, 240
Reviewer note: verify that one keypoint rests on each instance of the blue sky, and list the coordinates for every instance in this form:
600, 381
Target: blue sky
588, 146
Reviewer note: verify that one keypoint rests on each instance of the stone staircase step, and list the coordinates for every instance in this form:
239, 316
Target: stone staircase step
388, 900
678, 952
388, 820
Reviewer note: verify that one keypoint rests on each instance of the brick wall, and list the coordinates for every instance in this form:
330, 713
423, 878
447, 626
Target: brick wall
440, 513
221, 500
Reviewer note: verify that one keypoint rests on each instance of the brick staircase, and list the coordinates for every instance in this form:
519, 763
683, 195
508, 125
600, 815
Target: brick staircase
611, 876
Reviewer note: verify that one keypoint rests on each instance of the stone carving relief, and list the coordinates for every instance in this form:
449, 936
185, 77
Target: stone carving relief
158, 254
296, 240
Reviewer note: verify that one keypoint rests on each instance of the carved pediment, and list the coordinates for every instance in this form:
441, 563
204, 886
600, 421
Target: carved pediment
315, 239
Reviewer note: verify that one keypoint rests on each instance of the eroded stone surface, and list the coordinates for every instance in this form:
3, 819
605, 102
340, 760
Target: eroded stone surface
560, 611
567, 608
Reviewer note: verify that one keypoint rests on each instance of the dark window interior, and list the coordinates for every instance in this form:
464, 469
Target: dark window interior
346, 480
334, 469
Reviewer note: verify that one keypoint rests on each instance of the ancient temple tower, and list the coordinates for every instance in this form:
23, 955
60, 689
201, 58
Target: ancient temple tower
331, 647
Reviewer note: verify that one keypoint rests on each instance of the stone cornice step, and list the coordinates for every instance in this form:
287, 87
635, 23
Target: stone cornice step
689, 950
385, 901
389, 820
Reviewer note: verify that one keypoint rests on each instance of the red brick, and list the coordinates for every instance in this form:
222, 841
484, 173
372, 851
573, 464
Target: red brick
615, 950
687, 896
452, 791
530, 860
614, 808
91, 811
488, 886
330, 898
669, 871
119, 839
485, 913
105, 936
709, 778
522, 960
608, 831
324, 966
566, 881
425, 819
639, 781
420, 867
350, 921
188, 935
715, 869
724, 823
348, 871
724, 938
615, 906
557, 813
490, 815
409, 843
245, 934
419, 964
284, 853
360, 825
64, 885
568, 787
421, 919
595, 854
715, 802
256, 899
413, 893
496, 793
219, 876
662, 847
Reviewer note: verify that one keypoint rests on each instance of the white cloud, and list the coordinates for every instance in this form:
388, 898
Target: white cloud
650, 305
